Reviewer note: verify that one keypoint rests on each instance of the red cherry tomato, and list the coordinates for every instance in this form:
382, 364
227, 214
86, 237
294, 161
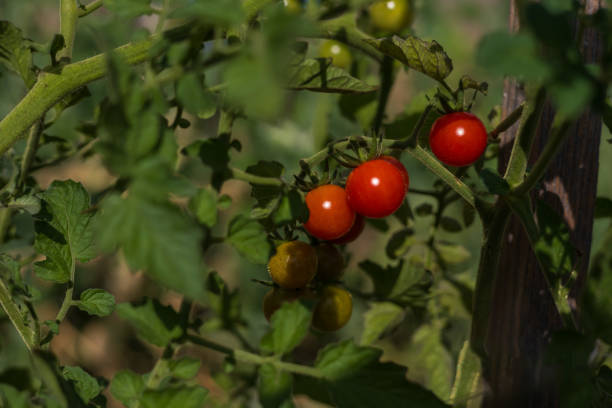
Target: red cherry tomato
400, 166
353, 233
330, 215
376, 188
458, 138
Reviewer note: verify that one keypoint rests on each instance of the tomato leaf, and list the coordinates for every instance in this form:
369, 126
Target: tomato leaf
378, 319
85, 385
64, 231
204, 206
127, 387
427, 57
16, 52
319, 76
97, 302
249, 238
154, 322
171, 397
289, 327
274, 386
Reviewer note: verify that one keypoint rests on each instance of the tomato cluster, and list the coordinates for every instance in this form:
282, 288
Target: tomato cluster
294, 266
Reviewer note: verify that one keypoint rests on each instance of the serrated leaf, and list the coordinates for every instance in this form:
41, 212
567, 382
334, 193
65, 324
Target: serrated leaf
344, 359
452, 253
266, 196
154, 322
427, 57
291, 207
204, 206
97, 302
86, 386
378, 319
190, 92
157, 238
467, 82
16, 53
394, 282
249, 238
127, 387
289, 327
31, 204
184, 397
317, 75
400, 243
273, 386
64, 231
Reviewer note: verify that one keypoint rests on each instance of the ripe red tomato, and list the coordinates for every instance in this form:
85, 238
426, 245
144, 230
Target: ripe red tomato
330, 215
400, 166
353, 233
376, 188
458, 138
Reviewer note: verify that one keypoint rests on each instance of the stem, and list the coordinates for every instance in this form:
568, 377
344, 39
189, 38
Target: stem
68, 301
507, 122
413, 138
558, 134
5, 222
343, 29
12, 311
386, 80
52, 87
517, 163
254, 179
69, 14
90, 8
487, 272
256, 359
30, 151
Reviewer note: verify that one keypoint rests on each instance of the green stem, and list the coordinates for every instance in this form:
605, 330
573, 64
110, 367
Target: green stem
251, 358
386, 81
30, 151
69, 14
51, 87
254, 179
556, 138
90, 8
68, 301
494, 229
517, 163
5, 222
507, 122
12, 311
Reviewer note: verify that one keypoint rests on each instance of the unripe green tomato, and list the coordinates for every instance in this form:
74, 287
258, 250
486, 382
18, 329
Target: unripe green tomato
391, 15
338, 52
293, 6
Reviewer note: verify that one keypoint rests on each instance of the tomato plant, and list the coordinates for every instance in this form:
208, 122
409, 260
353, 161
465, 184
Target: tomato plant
284, 203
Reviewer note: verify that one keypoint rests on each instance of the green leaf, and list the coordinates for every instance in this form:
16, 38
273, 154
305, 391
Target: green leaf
467, 377
185, 368
30, 204
86, 386
494, 182
97, 302
249, 238
342, 360
519, 57
319, 76
378, 319
572, 95
359, 107
291, 207
214, 152
192, 95
16, 399
427, 57
273, 386
400, 243
450, 224
129, 8
16, 52
289, 327
469, 214
424, 209
266, 196
155, 323
225, 302
204, 206
157, 238
467, 82
452, 253
184, 397
127, 387
64, 231
398, 282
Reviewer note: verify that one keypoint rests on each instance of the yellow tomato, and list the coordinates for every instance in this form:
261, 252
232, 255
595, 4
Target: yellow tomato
333, 310
391, 15
338, 52
294, 265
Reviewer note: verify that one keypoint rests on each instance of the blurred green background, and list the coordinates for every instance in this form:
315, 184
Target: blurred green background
104, 346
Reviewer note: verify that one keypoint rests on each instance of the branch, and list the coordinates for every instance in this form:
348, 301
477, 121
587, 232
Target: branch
12, 311
69, 14
51, 87
90, 8
507, 122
